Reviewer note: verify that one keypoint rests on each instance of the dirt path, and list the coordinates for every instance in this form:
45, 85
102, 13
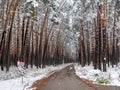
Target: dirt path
66, 79
62, 80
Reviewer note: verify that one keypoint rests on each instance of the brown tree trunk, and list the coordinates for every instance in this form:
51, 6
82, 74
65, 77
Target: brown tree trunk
104, 36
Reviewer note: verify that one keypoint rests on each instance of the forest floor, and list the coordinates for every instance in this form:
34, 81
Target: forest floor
14, 80
66, 79
63, 77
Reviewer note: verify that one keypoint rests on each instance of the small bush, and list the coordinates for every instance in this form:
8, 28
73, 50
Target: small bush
103, 81
96, 75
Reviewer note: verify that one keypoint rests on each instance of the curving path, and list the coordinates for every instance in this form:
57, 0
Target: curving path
66, 79
62, 80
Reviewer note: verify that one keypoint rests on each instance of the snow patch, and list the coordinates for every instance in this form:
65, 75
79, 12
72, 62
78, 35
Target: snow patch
88, 72
12, 80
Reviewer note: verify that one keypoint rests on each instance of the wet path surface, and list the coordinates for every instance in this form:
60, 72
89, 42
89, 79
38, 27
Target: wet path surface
66, 79
63, 80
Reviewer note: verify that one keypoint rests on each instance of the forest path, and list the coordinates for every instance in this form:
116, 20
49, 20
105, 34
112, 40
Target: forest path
64, 79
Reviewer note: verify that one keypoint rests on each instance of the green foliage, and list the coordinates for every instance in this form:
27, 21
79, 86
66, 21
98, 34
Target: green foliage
28, 9
103, 81
45, 1
96, 75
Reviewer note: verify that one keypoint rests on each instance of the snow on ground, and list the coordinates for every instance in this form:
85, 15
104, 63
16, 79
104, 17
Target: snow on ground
88, 72
12, 80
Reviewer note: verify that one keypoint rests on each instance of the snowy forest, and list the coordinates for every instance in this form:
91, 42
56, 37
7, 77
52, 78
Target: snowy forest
59, 44
52, 32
